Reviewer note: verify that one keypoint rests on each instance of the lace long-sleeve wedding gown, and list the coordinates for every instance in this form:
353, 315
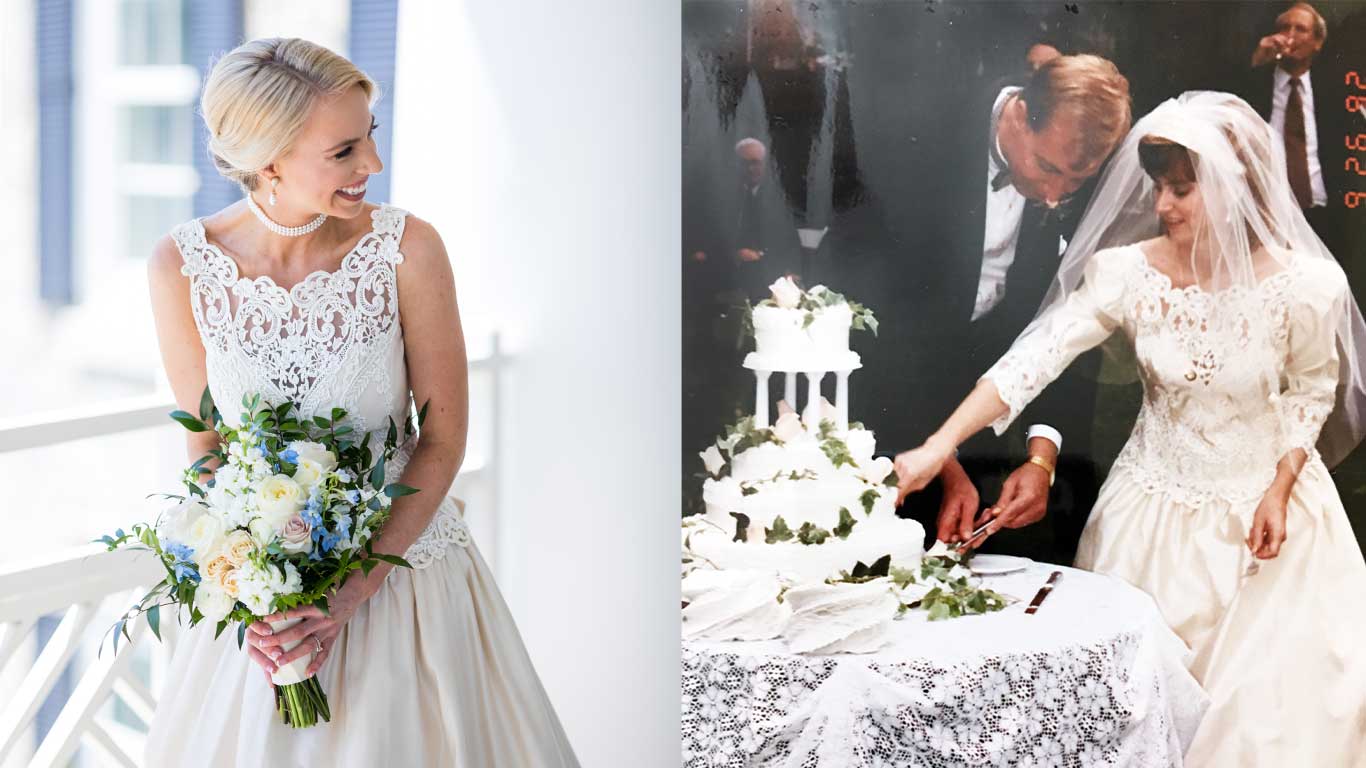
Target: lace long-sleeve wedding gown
430, 671
1282, 650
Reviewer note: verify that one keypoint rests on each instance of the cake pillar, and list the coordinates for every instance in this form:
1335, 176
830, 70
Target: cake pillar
761, 398
790, 390
842, 400
812, 415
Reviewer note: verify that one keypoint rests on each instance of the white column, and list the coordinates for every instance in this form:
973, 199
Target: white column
842, 399
761, 398
812, 414
790, 390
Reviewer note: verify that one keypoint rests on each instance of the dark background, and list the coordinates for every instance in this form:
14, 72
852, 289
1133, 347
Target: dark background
841, 92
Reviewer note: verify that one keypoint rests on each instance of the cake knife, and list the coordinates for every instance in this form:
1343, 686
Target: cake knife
1043, 592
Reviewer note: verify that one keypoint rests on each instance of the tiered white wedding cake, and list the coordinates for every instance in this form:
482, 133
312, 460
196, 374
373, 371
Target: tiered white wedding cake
800, 526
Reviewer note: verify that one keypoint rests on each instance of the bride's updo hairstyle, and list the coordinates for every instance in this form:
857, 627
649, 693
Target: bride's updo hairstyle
259, 95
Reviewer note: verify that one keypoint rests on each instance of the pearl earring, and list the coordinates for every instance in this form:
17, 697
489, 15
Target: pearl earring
273, 183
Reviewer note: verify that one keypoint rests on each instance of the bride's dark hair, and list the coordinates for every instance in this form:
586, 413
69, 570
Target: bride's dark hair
1162, 158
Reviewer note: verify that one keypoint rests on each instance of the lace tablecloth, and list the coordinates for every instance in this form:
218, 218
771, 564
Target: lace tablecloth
1095, 678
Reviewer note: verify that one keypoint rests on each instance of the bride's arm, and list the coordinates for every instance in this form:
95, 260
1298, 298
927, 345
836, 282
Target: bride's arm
1062, 332
182, 352
434, 348
917, 467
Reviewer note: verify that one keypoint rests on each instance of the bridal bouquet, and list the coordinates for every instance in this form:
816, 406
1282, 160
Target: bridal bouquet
286, 515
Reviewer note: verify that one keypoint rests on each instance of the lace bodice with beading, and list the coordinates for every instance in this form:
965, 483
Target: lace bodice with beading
332, 341
1211, 427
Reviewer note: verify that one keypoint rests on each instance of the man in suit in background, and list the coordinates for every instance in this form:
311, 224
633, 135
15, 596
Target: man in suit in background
1305, 106
750, 239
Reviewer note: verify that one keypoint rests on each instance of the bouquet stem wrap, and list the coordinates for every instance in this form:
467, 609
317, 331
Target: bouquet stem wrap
299, 699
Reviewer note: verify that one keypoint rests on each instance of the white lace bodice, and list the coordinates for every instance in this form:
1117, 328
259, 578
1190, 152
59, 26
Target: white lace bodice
1210, 427
332, 341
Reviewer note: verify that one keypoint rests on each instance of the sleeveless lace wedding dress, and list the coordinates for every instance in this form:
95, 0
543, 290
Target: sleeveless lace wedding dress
1277, 644
430, 671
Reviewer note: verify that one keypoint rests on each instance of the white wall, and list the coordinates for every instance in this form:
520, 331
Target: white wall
542, 139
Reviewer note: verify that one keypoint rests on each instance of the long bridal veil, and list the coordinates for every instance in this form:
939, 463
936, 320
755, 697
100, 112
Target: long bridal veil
1252, 227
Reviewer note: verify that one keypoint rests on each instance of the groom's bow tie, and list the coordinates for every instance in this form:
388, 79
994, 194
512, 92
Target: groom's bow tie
1001, 180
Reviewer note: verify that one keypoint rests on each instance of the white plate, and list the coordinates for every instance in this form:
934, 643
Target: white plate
995, 565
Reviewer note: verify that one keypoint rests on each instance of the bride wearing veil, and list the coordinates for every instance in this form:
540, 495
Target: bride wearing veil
1249, 347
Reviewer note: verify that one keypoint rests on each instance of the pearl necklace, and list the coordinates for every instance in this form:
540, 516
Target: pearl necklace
280, 229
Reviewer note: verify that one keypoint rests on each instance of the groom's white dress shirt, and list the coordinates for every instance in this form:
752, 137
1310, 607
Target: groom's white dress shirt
1004, 212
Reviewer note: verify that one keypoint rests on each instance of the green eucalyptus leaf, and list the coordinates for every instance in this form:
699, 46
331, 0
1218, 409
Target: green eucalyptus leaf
189, 422
396, 490
206, 405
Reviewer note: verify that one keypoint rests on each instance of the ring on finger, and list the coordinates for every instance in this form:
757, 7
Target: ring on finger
318, 644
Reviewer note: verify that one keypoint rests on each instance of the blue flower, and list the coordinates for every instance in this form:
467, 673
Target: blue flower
344, 476
290, 455
315, 555
353, 496
344, 527
182, 565
312, 517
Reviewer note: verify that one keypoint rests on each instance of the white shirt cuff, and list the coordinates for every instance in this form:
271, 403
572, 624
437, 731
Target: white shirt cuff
1045, 431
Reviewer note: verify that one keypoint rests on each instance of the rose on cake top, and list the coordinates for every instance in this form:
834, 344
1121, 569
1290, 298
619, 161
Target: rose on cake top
786, 294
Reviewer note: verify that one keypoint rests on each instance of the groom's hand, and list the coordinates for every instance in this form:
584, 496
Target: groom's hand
1024, 499
958, 509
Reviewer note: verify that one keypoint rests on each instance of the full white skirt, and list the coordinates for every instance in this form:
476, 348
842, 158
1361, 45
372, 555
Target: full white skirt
1281, 652
430, 671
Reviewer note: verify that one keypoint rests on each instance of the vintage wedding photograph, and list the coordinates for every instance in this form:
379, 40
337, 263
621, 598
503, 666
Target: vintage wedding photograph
321, 384
1023, 384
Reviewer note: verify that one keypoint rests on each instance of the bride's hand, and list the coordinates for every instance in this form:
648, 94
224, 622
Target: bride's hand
1268, 526
917, 467
267, 646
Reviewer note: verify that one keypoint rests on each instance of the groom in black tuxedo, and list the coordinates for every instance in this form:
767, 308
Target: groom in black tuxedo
958, 240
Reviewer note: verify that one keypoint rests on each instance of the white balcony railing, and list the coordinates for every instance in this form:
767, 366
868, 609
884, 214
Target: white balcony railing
75, 595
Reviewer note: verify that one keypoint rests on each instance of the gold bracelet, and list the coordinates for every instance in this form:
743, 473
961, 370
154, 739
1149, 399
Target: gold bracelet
1047, 466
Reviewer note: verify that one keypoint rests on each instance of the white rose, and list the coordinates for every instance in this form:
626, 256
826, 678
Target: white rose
786, 294
788, 427
176, 521
279, 498
296, 536
816, 290
205, 537
861, 446
262, 531
316, 452
876, 470
308, 473
212, 601
713, 460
